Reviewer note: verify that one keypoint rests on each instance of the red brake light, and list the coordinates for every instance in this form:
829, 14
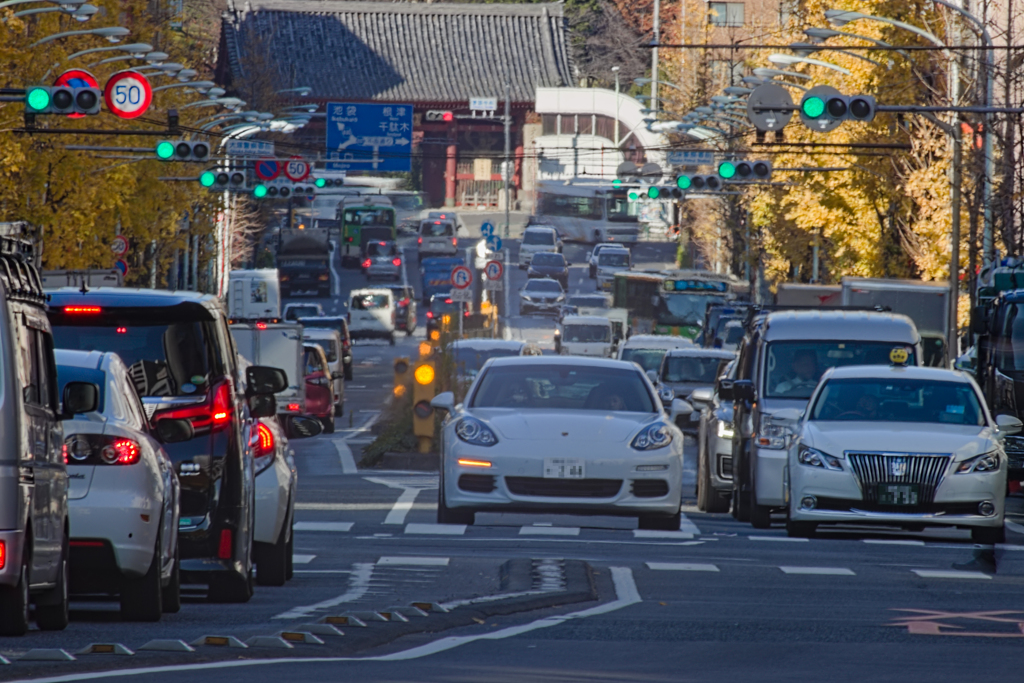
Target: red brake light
396, 261
3, 554
214, 412
261, 326
430, 315
79, 310
383, 244
122, 330
437, 222
224, 548
455, 241
443, 216
64, 452
366, 263
419, 240
349, 239
294, 407
447, 301
266, 439
128, 451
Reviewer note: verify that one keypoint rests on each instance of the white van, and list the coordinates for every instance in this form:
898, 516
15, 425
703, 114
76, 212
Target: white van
585, 335
437, 238
371, 313
330, 341
537, 238
254, 295
609, 262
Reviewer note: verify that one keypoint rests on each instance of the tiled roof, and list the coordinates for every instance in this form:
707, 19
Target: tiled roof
401, 51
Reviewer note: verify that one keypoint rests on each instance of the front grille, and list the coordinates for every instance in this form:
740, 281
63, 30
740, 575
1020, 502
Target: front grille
872, 469
564, 488
477, 483
650, 488
844, 505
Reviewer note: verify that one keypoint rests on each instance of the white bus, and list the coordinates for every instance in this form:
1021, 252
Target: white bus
586, 211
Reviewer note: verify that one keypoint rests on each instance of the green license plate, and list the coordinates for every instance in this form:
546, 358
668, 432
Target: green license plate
898, 494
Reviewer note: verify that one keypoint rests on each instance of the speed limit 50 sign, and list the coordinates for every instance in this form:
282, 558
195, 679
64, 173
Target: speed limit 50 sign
128, 94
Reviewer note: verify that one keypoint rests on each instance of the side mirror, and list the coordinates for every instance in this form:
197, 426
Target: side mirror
742, 390
170, 430
302, 427
979, 320
701, 396
443, 401
681, 407
1008, 425
262, 405
653, 376
80, 397
589, 255
261, 379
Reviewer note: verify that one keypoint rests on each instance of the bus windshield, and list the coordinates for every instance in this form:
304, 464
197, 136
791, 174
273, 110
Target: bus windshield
621, 210
684, 309
370, 216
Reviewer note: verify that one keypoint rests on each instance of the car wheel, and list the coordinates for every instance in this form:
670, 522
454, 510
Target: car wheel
272, 566
230, 587
339, 409
593, 272
328, 422
289, 571
14, 601
760, 515
52, 609
447, 515
988, 535
172, 591
142, 598
660, 522
708, 498
348, 372
800, 529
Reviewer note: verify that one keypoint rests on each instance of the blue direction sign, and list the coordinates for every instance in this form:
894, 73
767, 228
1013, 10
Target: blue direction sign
486, 229
369, 137
494, 243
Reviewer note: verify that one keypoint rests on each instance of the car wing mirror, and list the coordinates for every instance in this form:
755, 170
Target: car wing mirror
302, 427
653, 376
261, 379
170, 430
742, 390
79, 397
262, 405
701, 397
1008, 425
443, 401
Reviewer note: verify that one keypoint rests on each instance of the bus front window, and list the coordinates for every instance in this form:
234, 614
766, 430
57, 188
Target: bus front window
684, 309
621, 210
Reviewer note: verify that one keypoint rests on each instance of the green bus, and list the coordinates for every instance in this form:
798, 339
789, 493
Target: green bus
673, 302
363, 220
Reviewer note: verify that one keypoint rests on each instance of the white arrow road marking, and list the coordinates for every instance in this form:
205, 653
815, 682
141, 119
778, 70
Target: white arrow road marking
411, 487
358, 584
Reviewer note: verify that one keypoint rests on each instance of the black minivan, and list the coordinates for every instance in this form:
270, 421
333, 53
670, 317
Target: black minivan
183, 363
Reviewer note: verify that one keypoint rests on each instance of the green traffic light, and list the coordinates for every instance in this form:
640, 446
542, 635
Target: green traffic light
683, 182
633, 195
165, 150
727, 169
653, 192
259, 192
206, 179
38, 98
320, 182
813, 107
616, 183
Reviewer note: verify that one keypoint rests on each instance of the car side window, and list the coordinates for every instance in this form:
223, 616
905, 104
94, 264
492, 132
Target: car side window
136, 414
47, 372
29, 362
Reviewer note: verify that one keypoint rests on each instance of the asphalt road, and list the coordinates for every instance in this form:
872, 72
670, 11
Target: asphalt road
714, 599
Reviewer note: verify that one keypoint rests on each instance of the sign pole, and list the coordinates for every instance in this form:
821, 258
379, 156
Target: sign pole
504, 275
506, 175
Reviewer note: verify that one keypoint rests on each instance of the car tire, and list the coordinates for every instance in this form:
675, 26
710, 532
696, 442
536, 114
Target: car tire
760, 515
593, 272
272, 566
172, 591
230, 587
289, 571
740, 504
800, 529
52, 609
348, 372
142, 598
391, 339
14, 600
988, 535
339, 409
328, 423
447, 515
660, 522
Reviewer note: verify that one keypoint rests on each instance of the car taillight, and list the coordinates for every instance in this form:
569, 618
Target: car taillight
224, 547
419, 240
349, 239
214, 412
396, 261
266, 439
455, 241
261, 326
222, 404
3, 554
293, 407
324, 277
430, 315
366, 263
82, 310
284, 278
404, 302
97, 449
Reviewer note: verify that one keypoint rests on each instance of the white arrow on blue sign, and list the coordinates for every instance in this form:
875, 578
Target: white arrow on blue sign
487, 229
494, 243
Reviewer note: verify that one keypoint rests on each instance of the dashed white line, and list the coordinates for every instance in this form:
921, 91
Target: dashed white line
401, 560
358, 585
651, 533
681, 567
402, 506
323, 526
879, 541
949, 574
819, 571
549, 531
437, 529
302, 559
778, 538
688, 527
348, 463
1014, 527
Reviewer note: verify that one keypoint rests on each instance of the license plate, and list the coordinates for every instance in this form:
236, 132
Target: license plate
563, 468
898, 494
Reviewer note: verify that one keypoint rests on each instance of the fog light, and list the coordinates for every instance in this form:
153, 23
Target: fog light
808, 503
986, 508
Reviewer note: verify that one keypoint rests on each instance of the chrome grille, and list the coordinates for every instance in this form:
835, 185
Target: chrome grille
872, 469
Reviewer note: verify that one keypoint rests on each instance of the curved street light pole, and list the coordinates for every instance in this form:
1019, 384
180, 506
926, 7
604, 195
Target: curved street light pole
111, 33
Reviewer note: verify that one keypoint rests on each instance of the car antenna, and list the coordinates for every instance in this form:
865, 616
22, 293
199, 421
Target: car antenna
85, 288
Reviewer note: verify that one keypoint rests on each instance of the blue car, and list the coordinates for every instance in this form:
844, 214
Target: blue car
437, 276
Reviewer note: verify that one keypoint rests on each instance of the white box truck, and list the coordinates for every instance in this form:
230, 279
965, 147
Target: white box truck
254, 295
278, 345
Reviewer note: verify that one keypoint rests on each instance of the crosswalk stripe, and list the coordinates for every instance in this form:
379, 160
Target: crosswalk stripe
688, 527
302, 559
777, 538
949, 574
681, 567
549, 531
413, 561
323, 526
821, 571
438, 529
879, 541
651, 533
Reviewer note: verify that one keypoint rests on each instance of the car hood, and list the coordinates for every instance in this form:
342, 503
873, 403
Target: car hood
898, 437
578, 425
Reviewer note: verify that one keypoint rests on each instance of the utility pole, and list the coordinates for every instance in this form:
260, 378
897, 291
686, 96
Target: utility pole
506, 175
654, 55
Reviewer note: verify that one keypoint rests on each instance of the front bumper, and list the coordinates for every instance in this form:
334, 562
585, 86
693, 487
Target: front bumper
769, 476
541, 306
720, 461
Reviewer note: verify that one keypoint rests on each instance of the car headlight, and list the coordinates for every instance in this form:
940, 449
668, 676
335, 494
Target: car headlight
560, 297
527, 298
773, 435
812, 457
652, 437
987, 462
725, 430
473, 431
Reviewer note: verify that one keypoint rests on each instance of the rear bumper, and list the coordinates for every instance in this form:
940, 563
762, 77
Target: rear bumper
131, 538
199, 541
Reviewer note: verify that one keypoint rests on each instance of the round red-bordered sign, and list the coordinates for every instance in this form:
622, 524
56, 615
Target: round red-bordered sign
268, 169
296, 170
121, 265
77, 78
119, 245
494, 270
462, 277
128, 94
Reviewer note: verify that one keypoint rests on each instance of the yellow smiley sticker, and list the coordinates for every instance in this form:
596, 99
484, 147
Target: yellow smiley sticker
898, 356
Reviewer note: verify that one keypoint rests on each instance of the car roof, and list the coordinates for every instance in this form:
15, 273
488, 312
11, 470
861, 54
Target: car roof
369, 290
611, 245
72, 358
320, 332
579, 361
840, 325
896, 371
699, 352
657, 341
585, 320
114, 297
488, 344
538, 228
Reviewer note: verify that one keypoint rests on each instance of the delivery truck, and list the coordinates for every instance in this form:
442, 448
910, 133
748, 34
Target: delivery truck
278, 345
254, 295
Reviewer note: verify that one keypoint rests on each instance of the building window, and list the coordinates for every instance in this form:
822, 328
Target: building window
726, 13
549, 123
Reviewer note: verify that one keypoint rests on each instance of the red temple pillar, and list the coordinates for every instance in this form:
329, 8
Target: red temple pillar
450, 172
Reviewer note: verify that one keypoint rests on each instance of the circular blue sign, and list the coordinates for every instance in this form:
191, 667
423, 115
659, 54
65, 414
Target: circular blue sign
486, 229
494, 243
268, 169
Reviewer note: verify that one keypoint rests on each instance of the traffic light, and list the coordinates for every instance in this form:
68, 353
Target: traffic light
745, 170
223, 180
182, 150
696, 183
277, 190
823, 108
422, 411
62, 99
401, 368
328, 182
439, 115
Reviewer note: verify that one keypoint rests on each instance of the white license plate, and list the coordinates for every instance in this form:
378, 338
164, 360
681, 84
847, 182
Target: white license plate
563, 468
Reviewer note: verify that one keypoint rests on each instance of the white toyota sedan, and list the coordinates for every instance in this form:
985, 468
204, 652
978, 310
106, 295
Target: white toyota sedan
903, 446
560, 434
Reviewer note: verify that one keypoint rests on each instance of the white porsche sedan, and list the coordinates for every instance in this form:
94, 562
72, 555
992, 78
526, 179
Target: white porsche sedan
903, 446
560, 434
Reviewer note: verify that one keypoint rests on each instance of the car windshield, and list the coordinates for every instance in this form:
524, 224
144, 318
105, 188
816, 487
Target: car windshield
562, 387
366, 302
648, 359
793, 368
295, 312
325, 323
381, 249
621, 210
893, 399
329, 349
542, 237
438, 306
549, 260
587, 333
613, 257
692, 369
436, 229
544, 286
589, 301
683, 309
369, 216
407, 202
468, 360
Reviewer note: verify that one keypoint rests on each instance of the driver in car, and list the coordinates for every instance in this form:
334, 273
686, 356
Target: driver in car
805, 374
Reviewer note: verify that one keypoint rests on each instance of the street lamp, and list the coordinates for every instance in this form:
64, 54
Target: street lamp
198, 85
645, 81
216, 102
112, 33
150, 58
80, 13
65, 4
301, 91
615, 70
170, 69
136, 49
789, 60
807, 49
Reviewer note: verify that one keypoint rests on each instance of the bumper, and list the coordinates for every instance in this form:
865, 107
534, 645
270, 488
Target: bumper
769, 476
14, 546
273, 491
541, 307
720, 460
383, 271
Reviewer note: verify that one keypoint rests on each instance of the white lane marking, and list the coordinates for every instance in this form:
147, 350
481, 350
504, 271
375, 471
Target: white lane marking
334, 271
323, 526
949, 574
358, 585
323, 571
355, 386
491, 598
348, 463
686, 526
302, 559
819, 571
1014, 527
439, 529
1006, 546
413, 561
402, 506
878, 541
336, 507
681, 567
778, 538
549, 531
651, 533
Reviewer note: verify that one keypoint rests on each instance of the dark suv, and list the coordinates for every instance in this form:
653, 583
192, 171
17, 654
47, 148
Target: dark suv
183, 363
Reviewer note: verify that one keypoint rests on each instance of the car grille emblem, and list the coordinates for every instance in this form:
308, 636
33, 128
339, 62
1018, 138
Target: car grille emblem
898, 467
